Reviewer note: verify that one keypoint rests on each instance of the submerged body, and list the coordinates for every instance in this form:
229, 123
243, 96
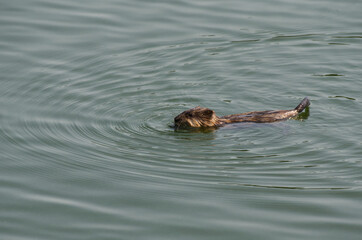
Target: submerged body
199, 117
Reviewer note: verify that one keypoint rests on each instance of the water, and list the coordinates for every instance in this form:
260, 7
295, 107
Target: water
89, 89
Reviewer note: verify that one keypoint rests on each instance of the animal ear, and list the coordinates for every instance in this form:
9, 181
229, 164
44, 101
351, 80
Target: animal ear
208, 113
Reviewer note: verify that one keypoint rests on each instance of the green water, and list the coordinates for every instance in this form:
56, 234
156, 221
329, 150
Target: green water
89, 89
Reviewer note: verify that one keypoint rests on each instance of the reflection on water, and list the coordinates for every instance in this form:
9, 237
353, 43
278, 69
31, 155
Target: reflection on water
303, 115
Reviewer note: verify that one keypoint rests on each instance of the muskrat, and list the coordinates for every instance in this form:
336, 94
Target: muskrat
200, 117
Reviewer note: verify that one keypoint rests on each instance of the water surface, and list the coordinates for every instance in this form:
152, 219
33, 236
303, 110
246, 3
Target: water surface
89, 89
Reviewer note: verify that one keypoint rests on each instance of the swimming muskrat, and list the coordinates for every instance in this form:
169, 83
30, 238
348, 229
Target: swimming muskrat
200, 117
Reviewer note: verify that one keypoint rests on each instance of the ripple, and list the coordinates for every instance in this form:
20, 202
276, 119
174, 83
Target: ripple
349, 98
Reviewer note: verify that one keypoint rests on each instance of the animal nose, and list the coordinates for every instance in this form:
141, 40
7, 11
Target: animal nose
177, 120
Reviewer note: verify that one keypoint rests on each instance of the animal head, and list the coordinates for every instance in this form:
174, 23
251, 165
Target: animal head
196, 117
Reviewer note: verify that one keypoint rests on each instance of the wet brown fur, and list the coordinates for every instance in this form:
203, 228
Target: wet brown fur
200, 117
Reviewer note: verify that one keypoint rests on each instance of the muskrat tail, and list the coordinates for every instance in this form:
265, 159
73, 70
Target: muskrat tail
302, 105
